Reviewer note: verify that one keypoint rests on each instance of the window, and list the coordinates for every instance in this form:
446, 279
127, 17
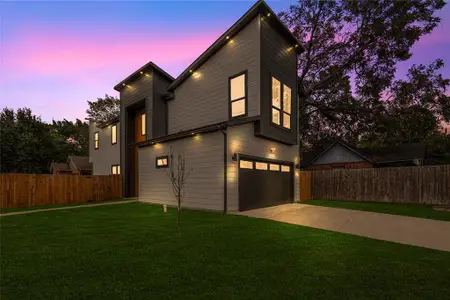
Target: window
238, 95
162, 162
274, 167
115, 169
114, 134
261, 166
143, 127
96, 140
245, 164
285, 169
281, 109
286, 107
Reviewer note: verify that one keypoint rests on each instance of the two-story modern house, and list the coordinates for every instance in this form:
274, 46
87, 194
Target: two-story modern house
232, 113
104, 147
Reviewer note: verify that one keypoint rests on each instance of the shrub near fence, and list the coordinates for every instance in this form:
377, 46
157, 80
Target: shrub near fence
426, 184
27, 190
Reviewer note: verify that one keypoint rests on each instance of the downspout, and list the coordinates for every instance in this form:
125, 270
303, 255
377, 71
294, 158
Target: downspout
225, 179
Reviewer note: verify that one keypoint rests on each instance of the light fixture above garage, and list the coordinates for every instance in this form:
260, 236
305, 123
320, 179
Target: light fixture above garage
273, 149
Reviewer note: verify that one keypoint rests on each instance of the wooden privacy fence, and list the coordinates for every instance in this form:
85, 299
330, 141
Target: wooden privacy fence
26, 190
426, 184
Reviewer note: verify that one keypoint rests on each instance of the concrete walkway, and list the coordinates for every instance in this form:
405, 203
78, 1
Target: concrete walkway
405, 230
32, 211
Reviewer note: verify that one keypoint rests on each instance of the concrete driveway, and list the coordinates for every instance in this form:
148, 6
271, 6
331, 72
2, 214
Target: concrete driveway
405, 230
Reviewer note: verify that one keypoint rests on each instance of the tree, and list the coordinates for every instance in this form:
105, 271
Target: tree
104, 109
178, 176
29, 145
351, 52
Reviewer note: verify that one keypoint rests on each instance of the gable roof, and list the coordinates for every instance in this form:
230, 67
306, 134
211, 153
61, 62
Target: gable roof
403, 152
140, 72
62, 167
259, 7
81, 162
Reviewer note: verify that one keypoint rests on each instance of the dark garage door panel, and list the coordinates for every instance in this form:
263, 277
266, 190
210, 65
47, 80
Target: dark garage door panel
264, 188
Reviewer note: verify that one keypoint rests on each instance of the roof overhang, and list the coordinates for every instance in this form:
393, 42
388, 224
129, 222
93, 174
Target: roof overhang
259, 8
143, 71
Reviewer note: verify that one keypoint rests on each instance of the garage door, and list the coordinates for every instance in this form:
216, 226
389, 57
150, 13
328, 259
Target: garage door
264, 184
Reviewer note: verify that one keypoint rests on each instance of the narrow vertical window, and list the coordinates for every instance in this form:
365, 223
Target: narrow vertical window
286, 107
96, 140
143, 124
113, 134
276, 101
115, 169
238, 95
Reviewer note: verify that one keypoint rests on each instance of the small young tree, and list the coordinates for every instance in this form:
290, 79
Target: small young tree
178, 174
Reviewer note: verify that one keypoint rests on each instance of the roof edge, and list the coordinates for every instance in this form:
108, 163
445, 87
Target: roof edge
258, 7
139, 72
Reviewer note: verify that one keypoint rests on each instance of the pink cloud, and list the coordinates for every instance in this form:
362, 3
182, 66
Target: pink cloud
52, 53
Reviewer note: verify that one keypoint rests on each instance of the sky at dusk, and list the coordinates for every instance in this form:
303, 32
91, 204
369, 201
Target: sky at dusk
54, 56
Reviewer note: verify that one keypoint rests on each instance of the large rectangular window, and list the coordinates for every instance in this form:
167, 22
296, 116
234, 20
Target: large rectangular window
96, 140
143, 124
113, 134
281, 107
238, 95
115, 169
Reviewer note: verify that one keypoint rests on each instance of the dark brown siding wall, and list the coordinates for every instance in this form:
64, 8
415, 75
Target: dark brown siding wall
278, 61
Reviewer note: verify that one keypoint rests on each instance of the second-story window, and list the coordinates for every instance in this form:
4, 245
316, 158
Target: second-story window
113, 134
96, 140
238, 95
143, 127
281, 107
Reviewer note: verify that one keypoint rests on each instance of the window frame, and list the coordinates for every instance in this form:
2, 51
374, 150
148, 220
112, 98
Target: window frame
281, 109
162, 157
96, 140
117, 169
113, 142
230, 102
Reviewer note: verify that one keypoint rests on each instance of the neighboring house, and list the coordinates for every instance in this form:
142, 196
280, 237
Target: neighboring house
104, 147
341, 155
75, 165
232, 113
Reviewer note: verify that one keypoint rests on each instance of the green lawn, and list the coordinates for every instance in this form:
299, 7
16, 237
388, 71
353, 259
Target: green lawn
412, 210
17, 209
130, 251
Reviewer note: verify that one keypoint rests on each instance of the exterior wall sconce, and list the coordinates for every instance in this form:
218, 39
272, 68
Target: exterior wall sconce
273, 149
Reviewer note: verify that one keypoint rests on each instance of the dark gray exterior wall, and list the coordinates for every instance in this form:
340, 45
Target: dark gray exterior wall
159, 112
203, 100
107, 154
278, 59
336, 154
140, 90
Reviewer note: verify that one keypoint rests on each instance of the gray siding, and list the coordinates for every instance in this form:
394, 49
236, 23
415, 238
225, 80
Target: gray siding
241, 139
337, 154
107, 154
204, 100
204, 187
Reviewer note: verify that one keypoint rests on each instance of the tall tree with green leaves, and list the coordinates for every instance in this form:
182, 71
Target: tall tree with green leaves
104, 109
29, 145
